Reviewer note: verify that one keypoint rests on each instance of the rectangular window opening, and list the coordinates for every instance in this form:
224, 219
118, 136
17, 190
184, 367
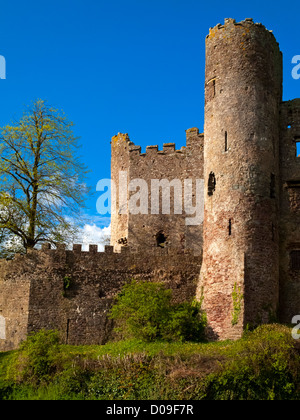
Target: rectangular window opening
295, 260
298, 147
226, 141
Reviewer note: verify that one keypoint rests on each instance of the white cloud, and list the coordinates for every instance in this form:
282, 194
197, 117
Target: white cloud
94, 235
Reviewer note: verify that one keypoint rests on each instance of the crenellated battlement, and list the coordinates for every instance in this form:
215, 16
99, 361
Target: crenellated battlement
76, 248
153, 150
120, 137
123, 140
108, 250
246, 24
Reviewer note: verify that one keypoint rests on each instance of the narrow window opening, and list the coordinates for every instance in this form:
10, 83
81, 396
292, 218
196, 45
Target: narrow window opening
67, 333
161, 239
226, 141
230, 227
295, 260
210, 89
272, 186
211, 184
297, 147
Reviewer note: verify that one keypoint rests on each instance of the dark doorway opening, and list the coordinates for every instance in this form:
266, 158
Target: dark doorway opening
161, 239
295, 260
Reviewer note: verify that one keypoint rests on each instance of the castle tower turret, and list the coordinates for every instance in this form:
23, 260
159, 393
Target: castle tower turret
120, 145
243, 89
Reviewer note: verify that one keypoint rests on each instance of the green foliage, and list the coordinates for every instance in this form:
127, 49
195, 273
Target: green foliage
144, 310
67, 283
41, 179
237, 298
36, 359
141, 310
186, 322
263, 365
132, 377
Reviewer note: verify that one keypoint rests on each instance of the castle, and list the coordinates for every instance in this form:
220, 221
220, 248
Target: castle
243, 261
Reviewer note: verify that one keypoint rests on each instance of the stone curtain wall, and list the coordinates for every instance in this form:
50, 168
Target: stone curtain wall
140, 230
290, 211
72, 291
14, 301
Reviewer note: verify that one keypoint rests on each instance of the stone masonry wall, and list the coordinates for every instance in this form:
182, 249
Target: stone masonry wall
290, 211
14, 301
169, 164
32, 294
119, 163
243, 87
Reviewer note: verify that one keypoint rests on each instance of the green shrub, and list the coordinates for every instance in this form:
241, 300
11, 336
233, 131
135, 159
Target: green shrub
185, 322
141, 310
144, 310
70, 383
264, 365
6, 389
131, 377
36, 359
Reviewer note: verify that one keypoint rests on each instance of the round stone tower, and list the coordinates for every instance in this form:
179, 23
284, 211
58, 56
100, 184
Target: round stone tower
239, 281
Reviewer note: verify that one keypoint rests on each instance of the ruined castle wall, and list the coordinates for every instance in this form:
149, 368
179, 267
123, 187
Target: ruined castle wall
195, 170
167, 165
243, 87
33, 295
119, 163
14, 302
290, 211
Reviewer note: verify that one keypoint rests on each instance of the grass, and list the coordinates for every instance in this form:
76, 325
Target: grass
264, 364
126, 347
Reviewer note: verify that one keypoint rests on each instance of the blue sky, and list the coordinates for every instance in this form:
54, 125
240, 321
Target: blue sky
124, 66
